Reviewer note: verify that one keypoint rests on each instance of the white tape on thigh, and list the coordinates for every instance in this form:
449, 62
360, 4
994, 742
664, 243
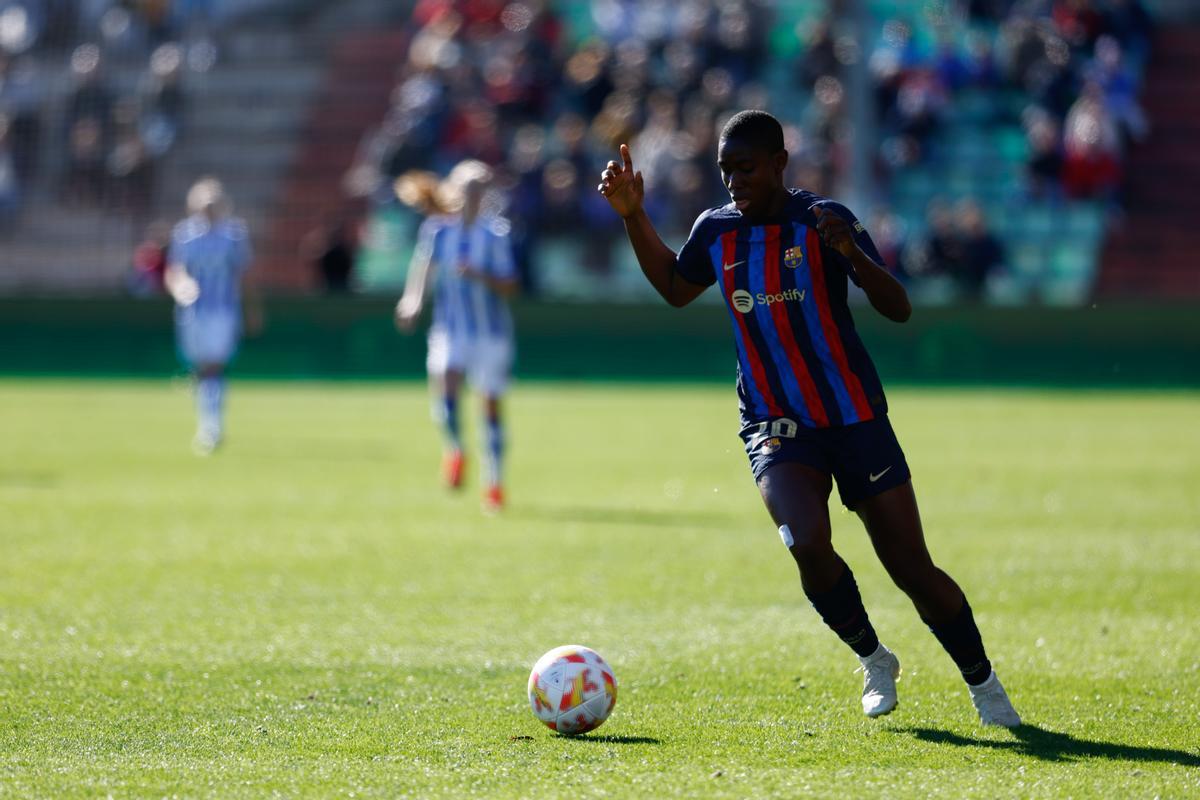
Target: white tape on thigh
785, 533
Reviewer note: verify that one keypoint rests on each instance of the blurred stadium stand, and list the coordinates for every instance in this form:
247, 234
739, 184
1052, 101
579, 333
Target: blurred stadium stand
1153, 254
307, 110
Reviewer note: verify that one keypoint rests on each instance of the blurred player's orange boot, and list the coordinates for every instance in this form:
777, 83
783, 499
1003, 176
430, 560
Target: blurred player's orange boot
493, 500
452, 468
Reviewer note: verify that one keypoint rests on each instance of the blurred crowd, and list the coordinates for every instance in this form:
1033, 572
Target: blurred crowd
115, 140
545, 91
1074, 68
505, 83
99, 146
1078, 64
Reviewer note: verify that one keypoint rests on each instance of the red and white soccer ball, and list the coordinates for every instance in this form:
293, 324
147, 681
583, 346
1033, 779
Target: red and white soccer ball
572, 689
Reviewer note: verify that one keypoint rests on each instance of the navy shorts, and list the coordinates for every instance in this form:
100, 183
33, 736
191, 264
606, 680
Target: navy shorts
864, 458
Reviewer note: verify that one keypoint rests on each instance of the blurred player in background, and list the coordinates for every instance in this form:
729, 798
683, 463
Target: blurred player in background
812, 406
206, 274
464, 255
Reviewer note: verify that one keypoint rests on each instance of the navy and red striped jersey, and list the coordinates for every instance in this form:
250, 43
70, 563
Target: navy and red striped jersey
799, 355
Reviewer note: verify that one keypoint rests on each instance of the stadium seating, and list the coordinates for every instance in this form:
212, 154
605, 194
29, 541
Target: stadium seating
1153, 254
295, 89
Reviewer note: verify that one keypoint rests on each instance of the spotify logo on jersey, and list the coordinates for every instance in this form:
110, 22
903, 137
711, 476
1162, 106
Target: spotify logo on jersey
742, 300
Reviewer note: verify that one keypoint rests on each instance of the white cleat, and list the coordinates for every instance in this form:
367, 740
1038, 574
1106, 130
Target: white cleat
206, 441
993, 705
880, 671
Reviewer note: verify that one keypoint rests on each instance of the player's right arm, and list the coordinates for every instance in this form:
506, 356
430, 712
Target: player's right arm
179, 284
408, 308
625, 192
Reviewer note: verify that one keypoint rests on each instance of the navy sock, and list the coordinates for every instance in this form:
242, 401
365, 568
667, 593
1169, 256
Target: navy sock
494, 439
448, 417
960, 636
842, 610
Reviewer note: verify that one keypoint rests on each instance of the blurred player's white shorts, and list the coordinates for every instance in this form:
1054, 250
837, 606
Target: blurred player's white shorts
207, 338
487, 361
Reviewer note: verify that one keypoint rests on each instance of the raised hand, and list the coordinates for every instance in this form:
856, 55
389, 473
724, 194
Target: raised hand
408, 310
835, 232
182, 287
622, 186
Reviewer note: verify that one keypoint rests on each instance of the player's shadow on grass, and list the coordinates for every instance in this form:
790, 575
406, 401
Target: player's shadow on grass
1053, 746
627, 516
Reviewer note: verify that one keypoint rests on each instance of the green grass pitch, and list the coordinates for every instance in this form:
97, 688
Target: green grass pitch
308, 613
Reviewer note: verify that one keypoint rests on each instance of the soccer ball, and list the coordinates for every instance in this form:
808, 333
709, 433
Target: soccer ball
572, 689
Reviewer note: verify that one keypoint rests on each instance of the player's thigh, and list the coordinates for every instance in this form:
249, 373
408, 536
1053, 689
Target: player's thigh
207, 339
797, 498
893, 523
445, 354
490, 366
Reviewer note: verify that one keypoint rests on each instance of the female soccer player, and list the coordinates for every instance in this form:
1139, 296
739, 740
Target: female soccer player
812, 407
206, 276
469, 255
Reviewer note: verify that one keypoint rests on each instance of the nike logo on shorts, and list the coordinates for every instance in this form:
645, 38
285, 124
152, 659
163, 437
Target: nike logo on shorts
874, 476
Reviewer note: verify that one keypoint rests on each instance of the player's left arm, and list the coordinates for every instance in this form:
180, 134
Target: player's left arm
887, 295
252, 306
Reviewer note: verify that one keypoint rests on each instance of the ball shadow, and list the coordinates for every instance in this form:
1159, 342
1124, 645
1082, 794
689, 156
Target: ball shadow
610, 739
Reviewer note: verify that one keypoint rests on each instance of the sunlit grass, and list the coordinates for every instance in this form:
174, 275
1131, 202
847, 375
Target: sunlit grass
308, 613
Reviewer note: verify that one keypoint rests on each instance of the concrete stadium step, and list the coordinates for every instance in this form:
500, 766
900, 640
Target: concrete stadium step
353, 100
235, 157
298, 76
220, 120
240, 123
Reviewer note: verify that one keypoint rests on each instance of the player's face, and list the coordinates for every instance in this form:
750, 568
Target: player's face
753, 176
472, 200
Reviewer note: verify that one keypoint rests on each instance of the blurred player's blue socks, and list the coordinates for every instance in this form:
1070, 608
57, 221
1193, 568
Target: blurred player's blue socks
495, 449
842, 610
960, 636
446, 414
210, 399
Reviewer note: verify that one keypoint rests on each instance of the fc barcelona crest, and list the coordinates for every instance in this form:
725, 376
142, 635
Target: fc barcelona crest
793, 256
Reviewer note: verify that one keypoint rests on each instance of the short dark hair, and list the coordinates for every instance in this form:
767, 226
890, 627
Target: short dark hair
756, 128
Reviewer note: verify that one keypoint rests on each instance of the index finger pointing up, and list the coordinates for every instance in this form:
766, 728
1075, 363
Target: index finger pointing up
627, 157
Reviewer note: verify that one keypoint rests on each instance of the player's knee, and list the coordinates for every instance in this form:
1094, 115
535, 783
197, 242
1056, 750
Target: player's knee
806, 543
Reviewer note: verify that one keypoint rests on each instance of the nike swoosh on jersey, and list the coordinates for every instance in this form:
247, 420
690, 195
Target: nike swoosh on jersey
734, 264
876, 476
